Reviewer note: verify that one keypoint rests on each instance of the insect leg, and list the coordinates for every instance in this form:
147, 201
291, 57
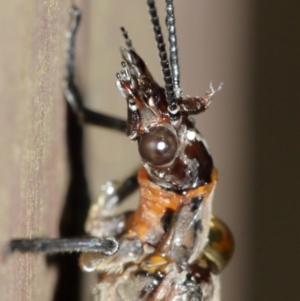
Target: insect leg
107, 247
127, 187
71, 91
107, 216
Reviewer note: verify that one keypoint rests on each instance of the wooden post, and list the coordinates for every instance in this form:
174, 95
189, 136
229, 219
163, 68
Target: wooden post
32, 121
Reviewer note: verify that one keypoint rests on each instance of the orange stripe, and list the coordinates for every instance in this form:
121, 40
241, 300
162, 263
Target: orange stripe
154, 201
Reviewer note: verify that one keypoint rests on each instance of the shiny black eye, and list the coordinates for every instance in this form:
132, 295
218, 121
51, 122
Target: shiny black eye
158, 146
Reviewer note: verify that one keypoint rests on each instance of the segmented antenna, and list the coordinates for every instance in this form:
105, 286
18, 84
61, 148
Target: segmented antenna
171, 99
127, 39
170, 22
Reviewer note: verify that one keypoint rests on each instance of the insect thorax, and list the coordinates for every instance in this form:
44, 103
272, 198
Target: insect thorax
161, 246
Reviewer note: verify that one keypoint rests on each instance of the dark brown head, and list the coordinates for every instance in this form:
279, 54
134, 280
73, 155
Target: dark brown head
172, 150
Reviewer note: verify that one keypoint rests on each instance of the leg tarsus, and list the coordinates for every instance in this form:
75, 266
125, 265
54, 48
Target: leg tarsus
74, 23
107, 246
106, 217
116, 197
129, 185
71, 91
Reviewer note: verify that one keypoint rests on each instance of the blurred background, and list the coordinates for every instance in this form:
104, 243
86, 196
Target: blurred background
251, 126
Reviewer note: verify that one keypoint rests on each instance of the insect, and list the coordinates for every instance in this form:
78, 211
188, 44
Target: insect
170, 247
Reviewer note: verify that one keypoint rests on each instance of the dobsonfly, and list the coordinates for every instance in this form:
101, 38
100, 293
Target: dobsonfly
171, 247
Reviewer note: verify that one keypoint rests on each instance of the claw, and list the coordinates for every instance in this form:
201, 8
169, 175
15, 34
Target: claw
75, 11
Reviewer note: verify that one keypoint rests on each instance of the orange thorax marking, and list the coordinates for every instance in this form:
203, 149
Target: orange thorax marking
154, 201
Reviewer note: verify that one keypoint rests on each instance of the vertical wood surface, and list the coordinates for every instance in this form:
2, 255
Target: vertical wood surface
32, 116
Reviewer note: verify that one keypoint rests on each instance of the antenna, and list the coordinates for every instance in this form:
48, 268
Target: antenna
170, 94
127, 39
170, 22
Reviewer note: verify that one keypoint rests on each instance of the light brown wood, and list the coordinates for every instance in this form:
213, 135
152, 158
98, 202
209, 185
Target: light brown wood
32, 116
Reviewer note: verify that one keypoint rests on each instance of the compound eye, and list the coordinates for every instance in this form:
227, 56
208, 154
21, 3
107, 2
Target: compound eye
158, 146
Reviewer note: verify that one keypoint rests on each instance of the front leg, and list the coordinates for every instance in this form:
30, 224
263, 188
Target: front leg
71, 91
107, 216
103, 246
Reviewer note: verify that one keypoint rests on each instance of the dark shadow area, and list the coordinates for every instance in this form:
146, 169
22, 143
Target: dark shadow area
277, 171
68, 286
